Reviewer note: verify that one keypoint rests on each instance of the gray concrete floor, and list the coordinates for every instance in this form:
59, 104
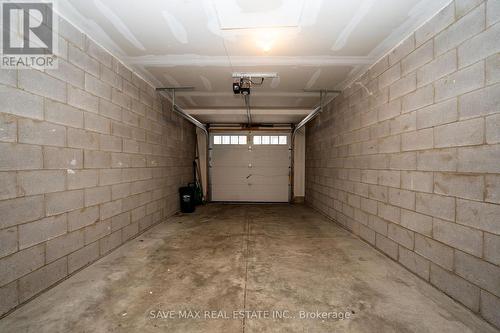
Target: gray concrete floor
244, 257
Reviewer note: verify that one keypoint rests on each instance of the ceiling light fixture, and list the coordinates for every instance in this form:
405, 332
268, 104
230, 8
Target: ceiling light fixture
266, 38
265, 45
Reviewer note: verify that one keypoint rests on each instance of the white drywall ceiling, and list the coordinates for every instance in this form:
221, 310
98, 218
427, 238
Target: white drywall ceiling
311, 44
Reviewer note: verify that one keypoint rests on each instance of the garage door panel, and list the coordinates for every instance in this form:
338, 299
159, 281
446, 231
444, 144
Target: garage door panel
278, 163
227, 157
257, 179
231, 175
251, 173
262, 154
237, 163
251, 164
255, 193
240, 157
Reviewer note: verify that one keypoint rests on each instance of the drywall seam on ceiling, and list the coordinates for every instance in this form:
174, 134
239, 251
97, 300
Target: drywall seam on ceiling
88, 27
147, 76
255, 92
396, 38
174, 60
256, 111
313, 79
275, 82
299, 101
66, 11
171, 80
119, 25
206, 83
353, 23
176, 27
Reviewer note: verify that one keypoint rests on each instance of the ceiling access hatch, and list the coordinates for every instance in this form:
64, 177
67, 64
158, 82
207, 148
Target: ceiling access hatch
258, 14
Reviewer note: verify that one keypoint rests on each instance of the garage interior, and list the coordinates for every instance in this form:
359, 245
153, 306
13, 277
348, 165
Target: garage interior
346, 153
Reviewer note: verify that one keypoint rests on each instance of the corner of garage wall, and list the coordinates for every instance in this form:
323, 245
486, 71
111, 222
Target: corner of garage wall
89, 159
408, 156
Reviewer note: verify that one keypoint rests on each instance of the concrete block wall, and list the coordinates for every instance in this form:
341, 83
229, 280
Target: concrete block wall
408, 156
89, 158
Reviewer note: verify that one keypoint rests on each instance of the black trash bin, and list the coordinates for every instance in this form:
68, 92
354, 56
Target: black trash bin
187, 199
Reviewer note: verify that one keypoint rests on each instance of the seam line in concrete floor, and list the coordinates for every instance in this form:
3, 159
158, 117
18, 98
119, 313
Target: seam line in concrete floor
246, 254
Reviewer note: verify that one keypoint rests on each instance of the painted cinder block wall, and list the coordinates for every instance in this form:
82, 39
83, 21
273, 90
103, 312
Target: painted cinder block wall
89, 158
408, 157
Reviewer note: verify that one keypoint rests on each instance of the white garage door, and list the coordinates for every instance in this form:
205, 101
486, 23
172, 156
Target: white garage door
250, 167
